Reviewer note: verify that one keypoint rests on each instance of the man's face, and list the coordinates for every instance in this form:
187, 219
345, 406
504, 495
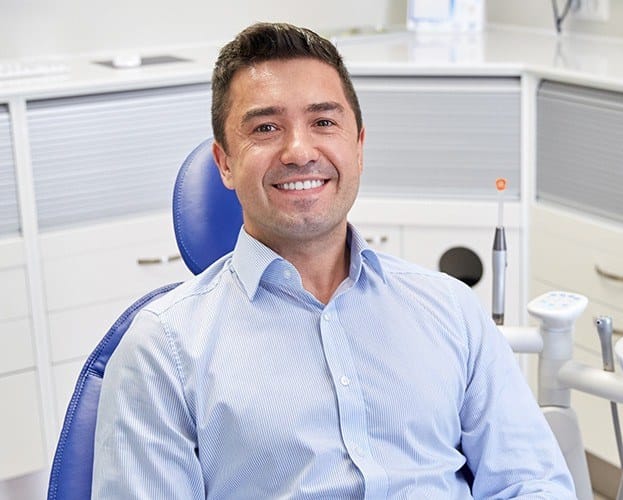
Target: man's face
294, 153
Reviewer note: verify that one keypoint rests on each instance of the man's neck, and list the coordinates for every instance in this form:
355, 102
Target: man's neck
322, 263
321, 277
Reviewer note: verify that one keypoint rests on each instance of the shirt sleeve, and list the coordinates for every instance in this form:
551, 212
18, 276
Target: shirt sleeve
510, 448
145, 444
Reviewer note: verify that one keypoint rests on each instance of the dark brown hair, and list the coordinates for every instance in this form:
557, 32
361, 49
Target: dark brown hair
269, 41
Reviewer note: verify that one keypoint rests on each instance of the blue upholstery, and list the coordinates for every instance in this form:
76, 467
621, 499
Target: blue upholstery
72, 467
207, 219
206, 215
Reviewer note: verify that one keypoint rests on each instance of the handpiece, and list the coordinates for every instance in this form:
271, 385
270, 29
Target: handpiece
604, 330
499, 260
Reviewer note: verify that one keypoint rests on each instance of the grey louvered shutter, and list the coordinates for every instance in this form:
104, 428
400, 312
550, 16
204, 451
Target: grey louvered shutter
440, 137
9, 212
580, 148
110, 155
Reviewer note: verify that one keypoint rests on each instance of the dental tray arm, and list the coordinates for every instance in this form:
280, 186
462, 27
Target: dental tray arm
595, 381
571, 374
523, 339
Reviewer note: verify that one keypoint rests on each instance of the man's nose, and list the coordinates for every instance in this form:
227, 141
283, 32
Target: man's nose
299, 148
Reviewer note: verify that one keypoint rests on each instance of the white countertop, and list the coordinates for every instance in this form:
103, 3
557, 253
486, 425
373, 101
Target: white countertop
493, 52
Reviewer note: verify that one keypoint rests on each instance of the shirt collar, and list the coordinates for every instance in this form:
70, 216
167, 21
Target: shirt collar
251, 259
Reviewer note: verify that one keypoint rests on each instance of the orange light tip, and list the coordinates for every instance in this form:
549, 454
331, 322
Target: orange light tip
500, 183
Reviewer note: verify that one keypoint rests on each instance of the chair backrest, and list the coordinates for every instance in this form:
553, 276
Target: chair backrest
207, 218
72, 468
206, 215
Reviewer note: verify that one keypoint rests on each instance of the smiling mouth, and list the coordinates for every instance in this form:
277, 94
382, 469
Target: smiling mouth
301, 185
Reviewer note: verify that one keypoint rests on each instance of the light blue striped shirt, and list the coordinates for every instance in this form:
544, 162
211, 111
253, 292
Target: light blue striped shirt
239, 384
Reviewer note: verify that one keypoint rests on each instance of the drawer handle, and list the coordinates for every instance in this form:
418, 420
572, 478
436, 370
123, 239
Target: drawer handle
150, 261
606, 274
376, 240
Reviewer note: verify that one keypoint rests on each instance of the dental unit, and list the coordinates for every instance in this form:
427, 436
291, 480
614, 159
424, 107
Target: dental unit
558, 372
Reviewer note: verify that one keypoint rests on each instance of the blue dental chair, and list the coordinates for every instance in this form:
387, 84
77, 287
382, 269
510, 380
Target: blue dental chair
207, 218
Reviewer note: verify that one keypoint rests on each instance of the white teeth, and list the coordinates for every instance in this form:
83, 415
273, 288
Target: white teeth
300, 185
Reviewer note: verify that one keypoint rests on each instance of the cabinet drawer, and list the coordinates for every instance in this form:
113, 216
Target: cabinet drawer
566, 249
100, 264
383, 238
14, 302
92, 275
75, 332
65, 378
16, 349
97, 277
22, 449
468, 253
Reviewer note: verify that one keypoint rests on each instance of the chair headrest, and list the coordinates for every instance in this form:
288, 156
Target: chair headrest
206, 215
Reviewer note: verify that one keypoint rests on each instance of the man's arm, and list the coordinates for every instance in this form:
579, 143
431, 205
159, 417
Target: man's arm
509, 446
145, 438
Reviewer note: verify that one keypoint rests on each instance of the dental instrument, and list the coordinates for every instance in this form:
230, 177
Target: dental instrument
604, 330
499, 262
558, 372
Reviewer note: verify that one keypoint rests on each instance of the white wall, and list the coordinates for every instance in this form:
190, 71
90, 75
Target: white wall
44, 27
538, 14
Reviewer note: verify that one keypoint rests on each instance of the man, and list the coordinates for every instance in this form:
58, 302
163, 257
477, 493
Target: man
304, 364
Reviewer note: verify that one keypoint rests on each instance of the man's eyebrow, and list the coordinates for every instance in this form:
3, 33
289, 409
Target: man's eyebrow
278, 110
325, 106
261, 112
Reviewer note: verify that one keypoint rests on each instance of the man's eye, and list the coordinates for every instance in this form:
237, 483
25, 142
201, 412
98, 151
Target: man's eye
324, 123
266, 127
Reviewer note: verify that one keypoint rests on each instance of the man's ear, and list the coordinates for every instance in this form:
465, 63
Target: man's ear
360, 141
222, 162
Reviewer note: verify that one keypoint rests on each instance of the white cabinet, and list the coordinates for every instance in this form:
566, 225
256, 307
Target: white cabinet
569, 251
96, 174
576, 231
101, 169
21, 428
431, 142
386, 238
92, 274
429, 232
21, 431
16, 343
565, 249
22, 447
463, 249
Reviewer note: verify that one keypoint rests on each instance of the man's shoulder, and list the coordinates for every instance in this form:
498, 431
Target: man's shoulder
195, 288
418, 277
393, 265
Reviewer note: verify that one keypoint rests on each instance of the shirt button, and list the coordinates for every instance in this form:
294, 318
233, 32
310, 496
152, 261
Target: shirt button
359, 451
326, 316
287, 274
345, 381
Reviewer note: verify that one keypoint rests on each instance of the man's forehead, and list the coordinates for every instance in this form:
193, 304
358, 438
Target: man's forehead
267, 83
